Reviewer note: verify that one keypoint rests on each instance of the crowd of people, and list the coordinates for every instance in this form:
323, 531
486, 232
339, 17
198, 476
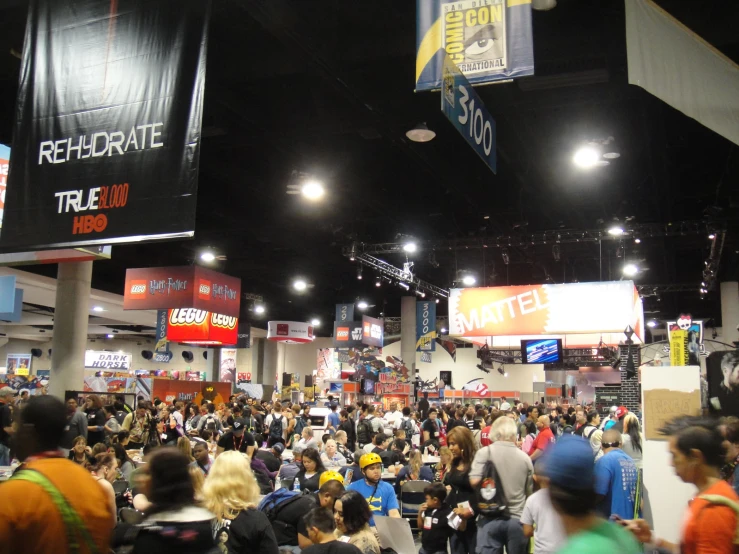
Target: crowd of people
257, 476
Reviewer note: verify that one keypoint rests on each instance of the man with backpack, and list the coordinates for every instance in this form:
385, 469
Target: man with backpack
502, 476
276, 425
366, 430
592, 433
210, 421
405, 423
302, 421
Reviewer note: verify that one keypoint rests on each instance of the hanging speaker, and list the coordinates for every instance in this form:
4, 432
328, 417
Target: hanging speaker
205, 354
147, 354
564, 391
187, 356
574, 392
49, 352
286, 379
309, 380
36, 352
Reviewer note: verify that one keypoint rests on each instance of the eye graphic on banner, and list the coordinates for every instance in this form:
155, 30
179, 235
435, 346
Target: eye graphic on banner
489, 41
104, 141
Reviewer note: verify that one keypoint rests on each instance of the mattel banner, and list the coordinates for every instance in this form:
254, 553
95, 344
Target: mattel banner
107, 125
546, 309
490, 40
425, 326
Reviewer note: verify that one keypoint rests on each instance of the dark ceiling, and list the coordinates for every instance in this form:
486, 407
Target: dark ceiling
327, 88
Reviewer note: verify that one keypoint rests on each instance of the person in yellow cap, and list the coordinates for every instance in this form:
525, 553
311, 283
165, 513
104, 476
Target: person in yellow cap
379, 494
330, 475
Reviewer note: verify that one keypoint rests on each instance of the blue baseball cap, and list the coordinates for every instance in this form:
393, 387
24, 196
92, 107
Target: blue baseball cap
569, 463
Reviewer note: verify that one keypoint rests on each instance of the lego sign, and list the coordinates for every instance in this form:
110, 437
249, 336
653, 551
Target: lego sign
200, 327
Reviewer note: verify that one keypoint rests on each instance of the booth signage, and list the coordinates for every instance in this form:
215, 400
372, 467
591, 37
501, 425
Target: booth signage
348, 334
296, 332
467, 112
108, 125
372, 331
490, 40
546, 309
162, 357
344, 312
244, 339
182, 287
425, 326
200, 327
4, 167
161, 336
107, 360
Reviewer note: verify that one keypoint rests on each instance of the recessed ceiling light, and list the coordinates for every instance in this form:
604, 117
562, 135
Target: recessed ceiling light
362, 305
315, 322
410, 247
98, 309
586, 157
637, 241
616, 231
300, 285
420, 133
469, 280
207, 257
437, 300
312, 190
378, 283
259, 309
630, 270
712, 236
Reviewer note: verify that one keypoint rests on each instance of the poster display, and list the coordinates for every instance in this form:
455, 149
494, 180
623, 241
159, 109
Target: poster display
199, 327
722, 374
490, 40
103, 141
160, 288
228, 365
372, 331
425, 326
688, 337
661, 406
571, 308
348, 334
18, 364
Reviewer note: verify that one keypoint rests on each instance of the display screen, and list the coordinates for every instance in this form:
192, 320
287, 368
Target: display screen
334, 387
369, 386
541, 351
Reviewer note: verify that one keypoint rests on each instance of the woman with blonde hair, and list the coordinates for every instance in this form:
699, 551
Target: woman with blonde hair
231, 492
632, 439
414, 471
445, 463
185, 446
198, 482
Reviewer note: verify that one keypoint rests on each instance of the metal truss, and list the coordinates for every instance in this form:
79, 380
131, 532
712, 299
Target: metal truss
656, 290
396, 273
557, 236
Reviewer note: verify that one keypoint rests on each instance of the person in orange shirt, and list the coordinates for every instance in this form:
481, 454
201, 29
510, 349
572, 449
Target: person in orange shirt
30, 518
710, 523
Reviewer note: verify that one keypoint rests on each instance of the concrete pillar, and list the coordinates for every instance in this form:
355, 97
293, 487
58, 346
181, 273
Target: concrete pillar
729, 311
270, 368
408, 332
71, 312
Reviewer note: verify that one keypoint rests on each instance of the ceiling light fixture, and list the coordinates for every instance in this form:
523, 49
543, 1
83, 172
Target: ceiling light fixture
312, 190
469, 280
110, 336
378, 282
259, 309
359, 272
98, 309
300, 285
315, 322
362, 305
406, 286
616, 231
630, 270
207, 257
652, 324
443, 330
637, 241
437, 300
410, 247
420, 133
586, 157
353, 251
712, 236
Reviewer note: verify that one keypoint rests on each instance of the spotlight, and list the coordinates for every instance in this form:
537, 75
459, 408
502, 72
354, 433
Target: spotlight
505, 374
98, 309
482, 367
420, 133
353, 251
300, 285
362, 305
443, 330
586, 157
110, 335
652, 324
712, 236
469, 280
630, 270
500, 370
378, 282
637, 241
315, 322
437, 300
208, 257
259, 309
506, 257
312, 190
616, 231
403, 285
359, 272
410, 247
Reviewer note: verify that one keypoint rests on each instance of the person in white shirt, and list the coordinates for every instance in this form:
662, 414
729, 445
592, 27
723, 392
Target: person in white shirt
393, 415
308, 440
504, 405
538, 511
331, 458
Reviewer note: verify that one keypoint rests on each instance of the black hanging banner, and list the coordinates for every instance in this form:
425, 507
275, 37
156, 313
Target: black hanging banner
107, 125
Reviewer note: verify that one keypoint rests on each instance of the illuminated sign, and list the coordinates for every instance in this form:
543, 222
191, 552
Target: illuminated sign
200, 327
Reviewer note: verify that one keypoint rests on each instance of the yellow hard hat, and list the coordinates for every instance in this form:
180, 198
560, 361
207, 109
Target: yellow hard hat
369, 459
330, 475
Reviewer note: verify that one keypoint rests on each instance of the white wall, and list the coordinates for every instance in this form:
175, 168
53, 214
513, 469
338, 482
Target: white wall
667, 495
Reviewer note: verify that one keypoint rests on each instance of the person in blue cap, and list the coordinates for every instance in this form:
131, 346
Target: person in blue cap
571, 473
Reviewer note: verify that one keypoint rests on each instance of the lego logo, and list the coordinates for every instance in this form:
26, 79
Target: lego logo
188, 316
138, 288
204, 289
342, 333
224, 321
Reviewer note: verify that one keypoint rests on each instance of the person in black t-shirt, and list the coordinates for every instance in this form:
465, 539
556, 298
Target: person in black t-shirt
272, 458
237, 439
430, 431
423, 406
95, 420
433, 519
320, 524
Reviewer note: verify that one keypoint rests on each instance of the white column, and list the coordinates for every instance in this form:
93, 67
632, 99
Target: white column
729, 311
71, 312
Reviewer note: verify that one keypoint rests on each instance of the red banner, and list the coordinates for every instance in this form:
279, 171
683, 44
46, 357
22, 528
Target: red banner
200, 327
160, 288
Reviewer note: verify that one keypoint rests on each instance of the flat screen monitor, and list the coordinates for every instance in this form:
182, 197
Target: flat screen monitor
369, 386
541, 351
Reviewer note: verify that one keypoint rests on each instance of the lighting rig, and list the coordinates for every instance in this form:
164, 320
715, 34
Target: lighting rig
710, 271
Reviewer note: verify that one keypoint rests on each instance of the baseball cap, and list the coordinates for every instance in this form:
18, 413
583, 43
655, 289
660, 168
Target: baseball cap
278, 447
621, 411
569, 463
239, 424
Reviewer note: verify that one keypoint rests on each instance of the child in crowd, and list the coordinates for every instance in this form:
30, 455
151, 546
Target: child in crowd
539, 512
433, 518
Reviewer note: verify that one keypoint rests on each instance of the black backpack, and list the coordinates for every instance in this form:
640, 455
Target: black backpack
275, 427
299, 425
210, 423
491, 499
407, 426
365, 432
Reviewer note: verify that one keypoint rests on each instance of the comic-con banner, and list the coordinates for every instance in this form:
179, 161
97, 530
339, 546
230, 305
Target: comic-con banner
108, 123
425, 326
489, 40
